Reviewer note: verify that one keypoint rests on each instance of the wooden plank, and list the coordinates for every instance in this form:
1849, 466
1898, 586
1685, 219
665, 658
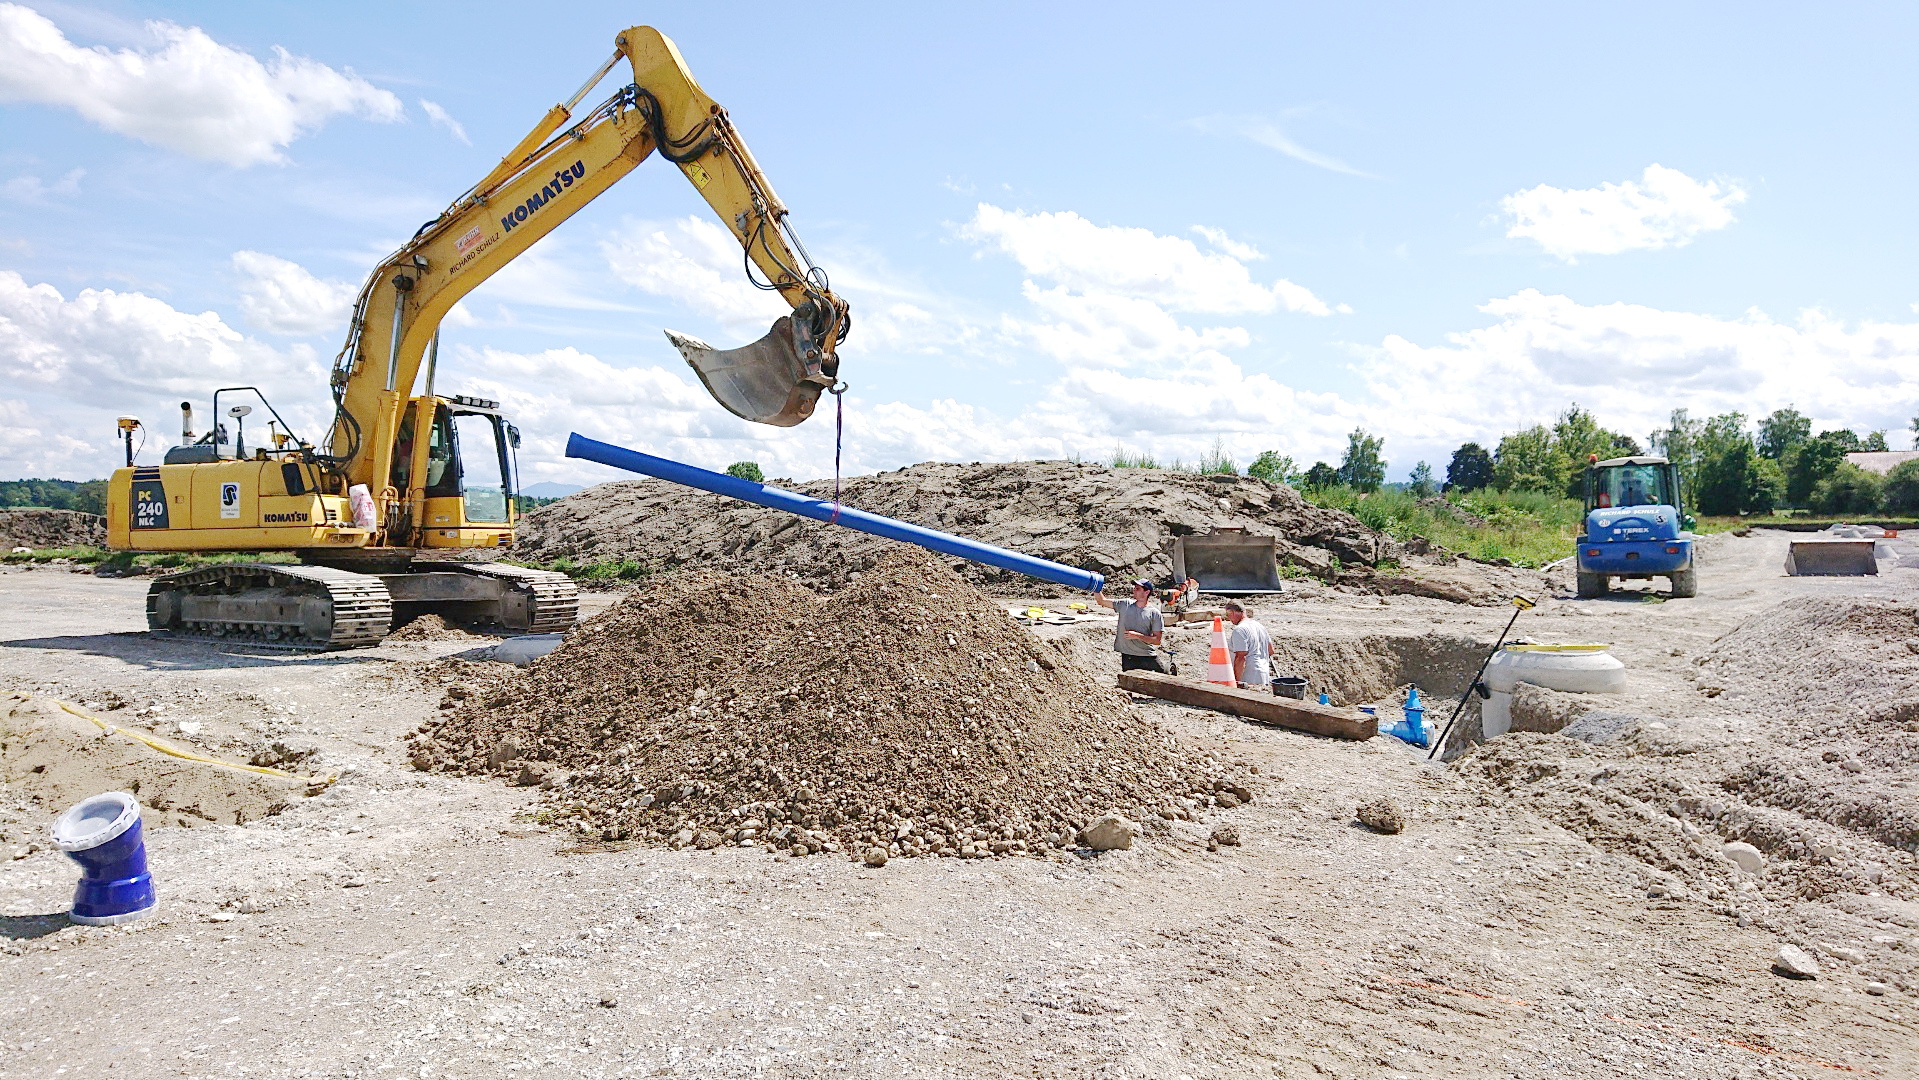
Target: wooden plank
1253, 705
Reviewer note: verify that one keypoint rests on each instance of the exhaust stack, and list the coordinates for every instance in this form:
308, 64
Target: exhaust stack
186, 423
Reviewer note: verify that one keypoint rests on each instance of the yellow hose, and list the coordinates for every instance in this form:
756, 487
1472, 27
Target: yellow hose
171, 750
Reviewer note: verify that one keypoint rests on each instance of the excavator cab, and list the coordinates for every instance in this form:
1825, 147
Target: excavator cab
465, 469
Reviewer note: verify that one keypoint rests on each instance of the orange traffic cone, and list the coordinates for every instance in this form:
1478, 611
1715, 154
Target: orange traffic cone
1219, 663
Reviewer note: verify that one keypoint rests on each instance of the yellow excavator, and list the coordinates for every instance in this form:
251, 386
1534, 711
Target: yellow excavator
401, 477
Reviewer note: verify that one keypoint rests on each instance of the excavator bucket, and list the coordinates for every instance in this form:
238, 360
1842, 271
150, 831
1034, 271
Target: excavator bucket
766, 382
1842, 558
1228, 562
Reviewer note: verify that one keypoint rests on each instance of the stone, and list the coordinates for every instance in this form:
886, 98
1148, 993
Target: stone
1744, 856
1840, 952
1226, 835
1795, 963
1877, 989
876, 856
1226, 800
1382, 815
1109, 832
707, 838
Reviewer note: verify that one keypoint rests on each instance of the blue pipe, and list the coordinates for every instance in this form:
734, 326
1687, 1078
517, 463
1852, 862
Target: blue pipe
579, 446
103, 835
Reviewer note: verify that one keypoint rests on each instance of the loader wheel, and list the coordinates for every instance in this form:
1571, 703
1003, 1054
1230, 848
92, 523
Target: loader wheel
1685, 583
1592, 586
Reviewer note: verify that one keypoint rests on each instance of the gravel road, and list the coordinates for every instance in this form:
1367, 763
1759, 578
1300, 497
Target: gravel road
423, 925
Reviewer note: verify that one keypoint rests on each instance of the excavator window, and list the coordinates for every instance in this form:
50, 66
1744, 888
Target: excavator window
442, 458
486, 480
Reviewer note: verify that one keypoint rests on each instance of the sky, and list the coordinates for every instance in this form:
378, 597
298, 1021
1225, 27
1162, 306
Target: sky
1064, 230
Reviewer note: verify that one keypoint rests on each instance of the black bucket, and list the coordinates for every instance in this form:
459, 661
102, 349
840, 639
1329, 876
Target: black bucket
1291, 686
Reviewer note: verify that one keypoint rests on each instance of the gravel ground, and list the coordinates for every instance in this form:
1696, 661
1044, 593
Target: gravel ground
414, 924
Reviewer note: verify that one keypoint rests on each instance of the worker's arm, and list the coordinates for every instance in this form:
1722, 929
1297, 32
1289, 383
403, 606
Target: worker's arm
1239, 668
1153, 638
1100, 599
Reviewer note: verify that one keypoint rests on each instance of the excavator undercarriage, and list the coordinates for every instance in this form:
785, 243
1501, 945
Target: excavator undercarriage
326, 607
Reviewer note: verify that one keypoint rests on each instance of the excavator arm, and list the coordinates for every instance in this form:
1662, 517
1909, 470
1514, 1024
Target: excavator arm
565, 162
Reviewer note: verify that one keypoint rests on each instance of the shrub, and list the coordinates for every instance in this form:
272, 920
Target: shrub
1902, 488
1849, 490
746, 470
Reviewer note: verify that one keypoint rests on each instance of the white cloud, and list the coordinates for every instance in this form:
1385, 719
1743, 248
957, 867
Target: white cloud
441, 118
282, 297
1269, 134
1663, 208
189, 94
1632, 365
32, 189
696, 264
1170, 271
70, 365
1225, 243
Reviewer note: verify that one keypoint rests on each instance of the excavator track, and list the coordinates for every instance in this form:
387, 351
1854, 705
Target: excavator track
276, 607
554, 598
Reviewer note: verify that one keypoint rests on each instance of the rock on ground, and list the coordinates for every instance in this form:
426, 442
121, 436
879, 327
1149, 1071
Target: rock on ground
1109, 832
1382, 815
1795, 962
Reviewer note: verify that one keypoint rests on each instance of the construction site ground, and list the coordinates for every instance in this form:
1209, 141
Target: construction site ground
411, 924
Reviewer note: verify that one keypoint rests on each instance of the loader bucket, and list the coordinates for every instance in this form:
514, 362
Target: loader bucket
767, 382
1843, 558
1229, 562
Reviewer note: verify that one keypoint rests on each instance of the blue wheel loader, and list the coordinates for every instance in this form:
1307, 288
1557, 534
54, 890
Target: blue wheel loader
1636, 526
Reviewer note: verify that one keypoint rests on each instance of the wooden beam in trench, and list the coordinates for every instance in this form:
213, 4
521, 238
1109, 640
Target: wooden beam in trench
1253, 705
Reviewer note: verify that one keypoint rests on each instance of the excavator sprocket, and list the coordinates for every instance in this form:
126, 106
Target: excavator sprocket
281, 607
553, 600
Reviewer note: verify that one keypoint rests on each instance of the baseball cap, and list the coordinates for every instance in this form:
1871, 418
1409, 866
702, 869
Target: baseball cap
1143, 583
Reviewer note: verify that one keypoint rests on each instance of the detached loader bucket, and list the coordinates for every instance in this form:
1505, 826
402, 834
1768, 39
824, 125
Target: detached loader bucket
1228, 562
767, 382
1840, 558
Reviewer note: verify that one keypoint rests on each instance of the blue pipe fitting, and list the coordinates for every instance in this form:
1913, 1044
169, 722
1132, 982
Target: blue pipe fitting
1413, 728
103, 835
579, 446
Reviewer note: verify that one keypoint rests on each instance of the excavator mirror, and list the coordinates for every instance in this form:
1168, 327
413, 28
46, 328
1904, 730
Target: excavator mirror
513, 436
767, 382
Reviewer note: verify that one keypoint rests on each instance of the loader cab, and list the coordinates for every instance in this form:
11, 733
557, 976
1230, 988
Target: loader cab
1635, 481
464, 470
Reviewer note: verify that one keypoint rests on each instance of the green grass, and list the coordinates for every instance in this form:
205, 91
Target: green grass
1526, 528
165, 560
602, 570
1801, 521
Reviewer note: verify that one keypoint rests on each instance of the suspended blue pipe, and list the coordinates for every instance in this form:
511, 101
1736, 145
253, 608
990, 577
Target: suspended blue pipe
579, 446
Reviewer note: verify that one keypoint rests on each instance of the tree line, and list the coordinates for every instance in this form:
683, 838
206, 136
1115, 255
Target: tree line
87, 495
1728, 463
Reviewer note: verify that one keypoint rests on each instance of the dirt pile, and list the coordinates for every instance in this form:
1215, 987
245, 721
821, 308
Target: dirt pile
1855, 655
430, 627
1090, 516
57, 758
904, 712
51, 529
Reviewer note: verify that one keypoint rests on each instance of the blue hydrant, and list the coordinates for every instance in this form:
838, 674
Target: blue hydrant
103, 835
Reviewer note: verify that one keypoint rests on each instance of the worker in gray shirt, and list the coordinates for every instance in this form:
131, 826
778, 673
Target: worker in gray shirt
1141, 627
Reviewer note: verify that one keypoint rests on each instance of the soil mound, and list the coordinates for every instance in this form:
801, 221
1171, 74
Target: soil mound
430, 627
904, 712
1090, 516
1848, 654
57, 758
51, 529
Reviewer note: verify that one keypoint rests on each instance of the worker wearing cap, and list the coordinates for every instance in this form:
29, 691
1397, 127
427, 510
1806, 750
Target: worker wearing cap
1251, 646
1141, 627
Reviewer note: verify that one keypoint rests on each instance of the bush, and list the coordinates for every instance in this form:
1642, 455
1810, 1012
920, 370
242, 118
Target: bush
746, 470
1902, 488
1849, 490
1274, 468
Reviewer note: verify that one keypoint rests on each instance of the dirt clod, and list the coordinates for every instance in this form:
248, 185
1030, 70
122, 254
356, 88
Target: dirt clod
1382, 815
